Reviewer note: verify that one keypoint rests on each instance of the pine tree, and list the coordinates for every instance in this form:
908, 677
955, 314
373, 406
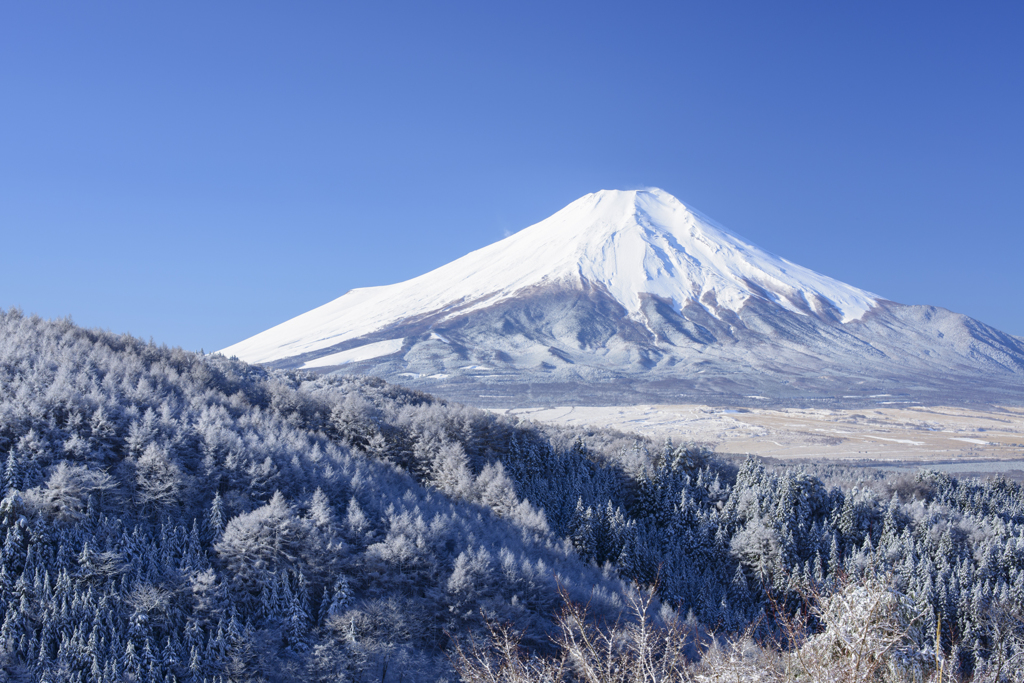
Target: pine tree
195, 665
169, 657
296, 619
130, 662
819, 571
835, 559
336, 600
449, 470
890, 524
113, 669
95, 668
320, 512
12, 473
148, 662
583, 534
215, 519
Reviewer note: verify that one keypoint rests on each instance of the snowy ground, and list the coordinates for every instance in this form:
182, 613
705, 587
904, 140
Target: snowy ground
919, 434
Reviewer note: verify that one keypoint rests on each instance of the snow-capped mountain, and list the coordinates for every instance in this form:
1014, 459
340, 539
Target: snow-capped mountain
627, 294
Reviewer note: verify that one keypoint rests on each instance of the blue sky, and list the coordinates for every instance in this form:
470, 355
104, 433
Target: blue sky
198, 172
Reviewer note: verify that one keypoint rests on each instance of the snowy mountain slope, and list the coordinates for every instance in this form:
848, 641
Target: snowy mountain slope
631, 293
628, 243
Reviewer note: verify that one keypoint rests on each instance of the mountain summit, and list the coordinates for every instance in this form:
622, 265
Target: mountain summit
634, 293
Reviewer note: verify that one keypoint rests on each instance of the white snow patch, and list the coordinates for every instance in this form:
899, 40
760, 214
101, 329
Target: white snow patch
976, 441
365, 352
882, 438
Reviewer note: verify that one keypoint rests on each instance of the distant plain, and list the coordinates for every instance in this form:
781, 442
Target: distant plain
979, 440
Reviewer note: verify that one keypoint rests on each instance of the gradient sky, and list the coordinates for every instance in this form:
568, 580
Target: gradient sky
197, 172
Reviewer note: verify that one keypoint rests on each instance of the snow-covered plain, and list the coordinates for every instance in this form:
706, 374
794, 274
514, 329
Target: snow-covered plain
627, 243
913, 433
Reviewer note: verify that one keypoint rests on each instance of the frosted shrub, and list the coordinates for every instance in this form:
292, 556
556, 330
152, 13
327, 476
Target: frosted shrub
872, 633
622, 653
67, 490
501, 660
740, 659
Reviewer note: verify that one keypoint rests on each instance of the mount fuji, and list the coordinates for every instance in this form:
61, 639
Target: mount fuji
629, 296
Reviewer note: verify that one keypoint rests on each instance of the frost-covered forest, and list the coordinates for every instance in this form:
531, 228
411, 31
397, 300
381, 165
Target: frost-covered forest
173, 517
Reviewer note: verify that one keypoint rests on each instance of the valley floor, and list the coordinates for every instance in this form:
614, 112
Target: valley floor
975, 440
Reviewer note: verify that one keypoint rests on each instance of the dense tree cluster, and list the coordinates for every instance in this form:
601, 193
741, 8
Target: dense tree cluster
170, 516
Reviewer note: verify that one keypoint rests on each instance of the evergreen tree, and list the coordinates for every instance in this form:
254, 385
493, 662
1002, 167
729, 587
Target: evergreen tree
12, 473
216, 520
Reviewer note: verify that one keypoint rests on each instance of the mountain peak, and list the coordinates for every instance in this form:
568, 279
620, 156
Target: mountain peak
640, 242
628, 244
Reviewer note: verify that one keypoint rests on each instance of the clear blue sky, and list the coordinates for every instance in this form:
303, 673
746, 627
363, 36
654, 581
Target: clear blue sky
197, 172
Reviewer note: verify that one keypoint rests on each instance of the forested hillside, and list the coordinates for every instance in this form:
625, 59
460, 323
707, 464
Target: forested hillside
169, 516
